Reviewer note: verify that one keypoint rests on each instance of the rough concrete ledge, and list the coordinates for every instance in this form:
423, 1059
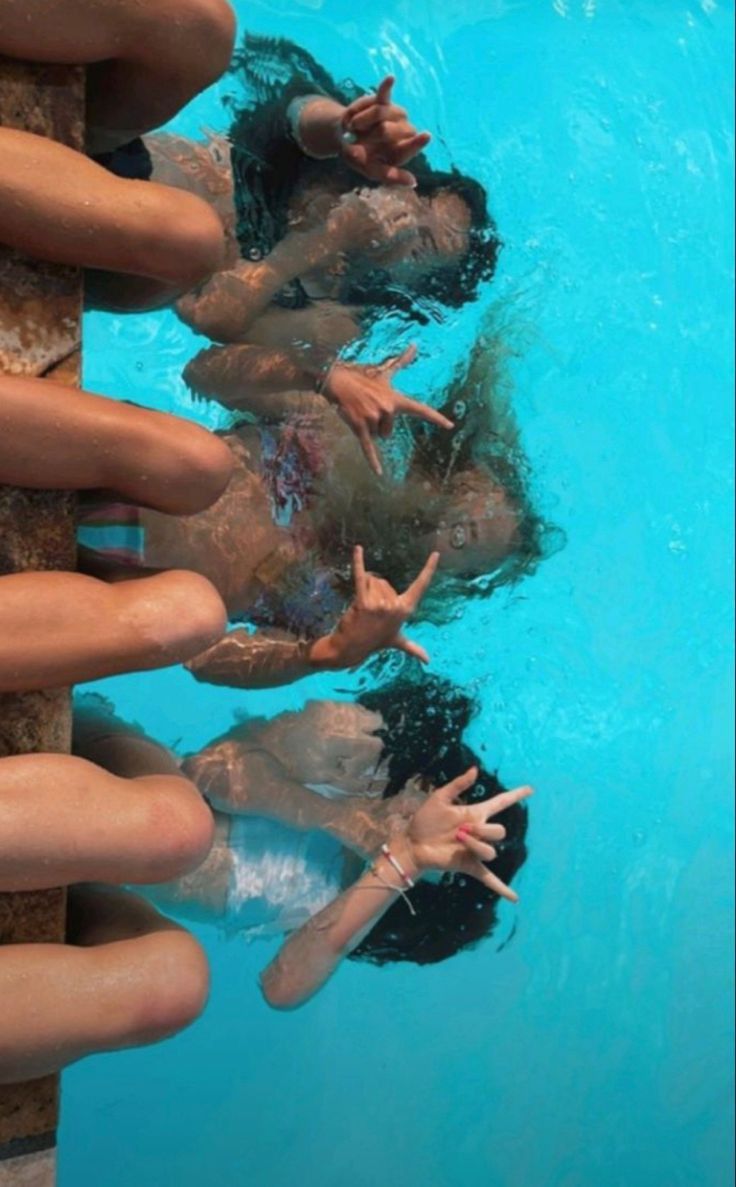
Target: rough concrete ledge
40, 330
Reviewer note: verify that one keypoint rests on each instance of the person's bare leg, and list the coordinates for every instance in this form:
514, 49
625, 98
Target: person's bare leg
53, 437
128, 977
65, 820
58, 629
120, 748
146, 58
57, 205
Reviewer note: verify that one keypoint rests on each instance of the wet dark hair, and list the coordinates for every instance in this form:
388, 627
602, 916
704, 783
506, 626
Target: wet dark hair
268, 165
391, 519
424, 722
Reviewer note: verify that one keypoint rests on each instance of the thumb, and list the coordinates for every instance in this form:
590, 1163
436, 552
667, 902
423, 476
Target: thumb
383, 94
401, 643
397, 362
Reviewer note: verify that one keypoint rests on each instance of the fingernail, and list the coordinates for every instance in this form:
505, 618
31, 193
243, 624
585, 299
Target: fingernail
462, 833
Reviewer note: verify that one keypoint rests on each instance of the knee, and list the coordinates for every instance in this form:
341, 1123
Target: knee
175, 989
180, 615
179, 239
208, 29
204, 620
192, 39
202, 467
182, 825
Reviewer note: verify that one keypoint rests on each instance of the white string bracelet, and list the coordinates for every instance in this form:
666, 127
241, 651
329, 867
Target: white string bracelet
396, 889
397, 866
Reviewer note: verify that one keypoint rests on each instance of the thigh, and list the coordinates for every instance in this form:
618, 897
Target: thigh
58, 629
150, 458
84, 32
58, 205
65, 820
74, 32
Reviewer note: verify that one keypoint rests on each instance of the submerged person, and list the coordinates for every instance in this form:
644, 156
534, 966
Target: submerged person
310, 257
278, 544
143, 242
328, 827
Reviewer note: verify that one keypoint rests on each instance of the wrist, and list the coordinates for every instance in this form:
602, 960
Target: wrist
324, 655
316, 123
403, 852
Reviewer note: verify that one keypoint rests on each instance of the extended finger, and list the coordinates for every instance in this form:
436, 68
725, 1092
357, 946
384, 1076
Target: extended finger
404, 150
370, 451
419, 586
383, 94
456, 787
397, 362
480, 848
409, 407
499, 803
359, 575
401, 643
494, 883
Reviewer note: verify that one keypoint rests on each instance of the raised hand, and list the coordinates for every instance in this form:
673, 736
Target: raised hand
368, 403
378, 139
375, 619
445, 835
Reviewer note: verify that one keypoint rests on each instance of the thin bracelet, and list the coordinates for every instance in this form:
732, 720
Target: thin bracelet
323, 378
396, 889
397, 866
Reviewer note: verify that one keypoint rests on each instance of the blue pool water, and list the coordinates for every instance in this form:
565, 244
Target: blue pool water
594, 1050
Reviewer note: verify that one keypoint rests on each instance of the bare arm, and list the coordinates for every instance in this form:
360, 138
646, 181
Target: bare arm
259, 379
240, 775
227, 305
442, 835
266, 659
239, 778
272, 658
311, 955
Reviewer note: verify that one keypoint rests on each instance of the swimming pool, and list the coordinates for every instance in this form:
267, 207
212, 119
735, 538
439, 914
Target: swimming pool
593, 1050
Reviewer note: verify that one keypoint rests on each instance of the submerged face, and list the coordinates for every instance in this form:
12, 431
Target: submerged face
418, 233
479, 529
